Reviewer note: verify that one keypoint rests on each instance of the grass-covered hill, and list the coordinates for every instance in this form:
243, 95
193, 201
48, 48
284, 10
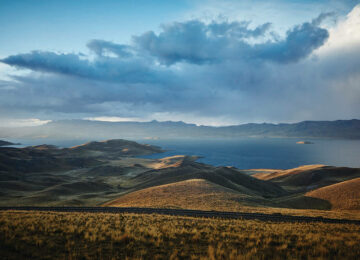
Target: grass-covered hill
342, 195
4, 143
110, 173
194, 193
311, 176
318, 186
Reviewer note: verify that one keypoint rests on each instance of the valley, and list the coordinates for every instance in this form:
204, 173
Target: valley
110, 174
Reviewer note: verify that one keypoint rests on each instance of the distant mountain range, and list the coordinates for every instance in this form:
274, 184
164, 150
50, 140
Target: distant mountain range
85, 129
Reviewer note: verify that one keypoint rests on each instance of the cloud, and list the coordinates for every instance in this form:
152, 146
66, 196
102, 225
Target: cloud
11, 122
218, 72
197, 42
102, 68
115, 119
300, 42
48, 62
190, 42
101, 47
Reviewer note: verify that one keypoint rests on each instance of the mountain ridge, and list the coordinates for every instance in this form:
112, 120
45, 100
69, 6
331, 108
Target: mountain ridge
338, 129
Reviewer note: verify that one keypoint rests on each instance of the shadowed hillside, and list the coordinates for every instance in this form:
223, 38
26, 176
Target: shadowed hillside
4, 143
116, 147
47, 175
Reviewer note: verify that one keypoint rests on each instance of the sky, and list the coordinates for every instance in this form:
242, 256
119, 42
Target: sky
204, 62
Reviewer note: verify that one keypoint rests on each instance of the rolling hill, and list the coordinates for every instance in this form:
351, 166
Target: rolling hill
317, 187
342, 196
110, 173
4, 143
224, 176
309, 177
47, 175
278, 174
191, 193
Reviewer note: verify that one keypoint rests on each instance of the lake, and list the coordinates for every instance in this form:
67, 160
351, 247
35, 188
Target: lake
273, 153
248, 153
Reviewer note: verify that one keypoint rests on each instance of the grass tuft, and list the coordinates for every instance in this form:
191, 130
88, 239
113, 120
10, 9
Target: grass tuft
54, 235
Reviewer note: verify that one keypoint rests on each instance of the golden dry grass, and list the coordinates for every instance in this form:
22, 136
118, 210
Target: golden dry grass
259, 172
168, 162
192, 194
47, 235
162, 163
201, 194
283, 173
343, 195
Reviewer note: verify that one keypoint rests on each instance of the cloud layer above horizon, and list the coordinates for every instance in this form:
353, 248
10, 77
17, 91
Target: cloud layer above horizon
217, 72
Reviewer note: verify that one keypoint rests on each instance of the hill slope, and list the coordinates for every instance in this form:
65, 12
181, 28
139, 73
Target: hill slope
227, 177
191, 194
309, 177
84, 175
4, 143
343, 195
278, 174
117, 147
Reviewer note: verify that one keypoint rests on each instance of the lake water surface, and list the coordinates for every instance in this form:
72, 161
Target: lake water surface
274, 153
249, 153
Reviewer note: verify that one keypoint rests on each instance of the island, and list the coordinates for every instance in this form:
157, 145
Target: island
304, 142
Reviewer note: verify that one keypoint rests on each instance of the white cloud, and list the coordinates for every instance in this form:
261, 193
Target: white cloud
22, 122
115, 119
345, 36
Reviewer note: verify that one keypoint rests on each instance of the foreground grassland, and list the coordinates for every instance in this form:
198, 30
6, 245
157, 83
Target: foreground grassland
48, 235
